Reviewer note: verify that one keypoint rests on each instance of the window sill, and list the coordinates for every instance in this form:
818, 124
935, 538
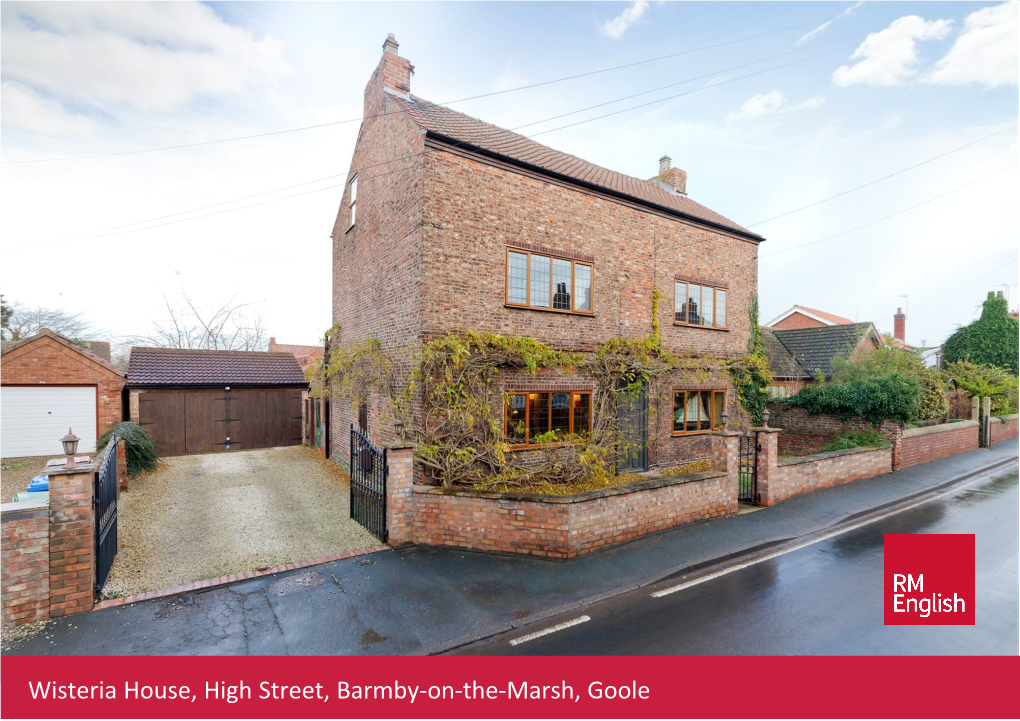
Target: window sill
701, 327
588, 314
543, 446
681, 434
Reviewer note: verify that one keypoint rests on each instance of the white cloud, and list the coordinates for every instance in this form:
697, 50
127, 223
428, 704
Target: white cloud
23, 109
152, 57
985, 51
771, 104
621, 23
889, 56
509, 79
825, 26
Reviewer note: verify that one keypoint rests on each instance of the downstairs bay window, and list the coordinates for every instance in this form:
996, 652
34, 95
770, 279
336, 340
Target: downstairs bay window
698, 411
539, 417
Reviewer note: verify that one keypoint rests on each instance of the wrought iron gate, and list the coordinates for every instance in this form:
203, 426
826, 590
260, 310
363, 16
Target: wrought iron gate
368, 484
105, 499
747, 491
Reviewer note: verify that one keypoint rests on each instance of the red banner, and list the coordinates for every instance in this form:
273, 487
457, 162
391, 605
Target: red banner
499, 687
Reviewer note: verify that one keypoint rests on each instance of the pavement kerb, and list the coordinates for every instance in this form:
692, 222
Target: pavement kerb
722, 561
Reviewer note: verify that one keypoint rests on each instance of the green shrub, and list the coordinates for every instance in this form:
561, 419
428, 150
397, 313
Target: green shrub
982, 381
139, 448
867, 439
894, 397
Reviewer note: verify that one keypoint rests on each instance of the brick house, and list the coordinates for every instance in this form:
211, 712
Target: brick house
801, 354
449, 223
308, 356
49, 384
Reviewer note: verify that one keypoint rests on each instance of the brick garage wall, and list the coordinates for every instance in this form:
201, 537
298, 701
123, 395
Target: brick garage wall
920, 445
797, 476
1002, 431
45, 361
24, 577
568, 526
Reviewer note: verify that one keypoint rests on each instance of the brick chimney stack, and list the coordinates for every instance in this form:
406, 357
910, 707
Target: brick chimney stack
900, 326
393, 73
670, 176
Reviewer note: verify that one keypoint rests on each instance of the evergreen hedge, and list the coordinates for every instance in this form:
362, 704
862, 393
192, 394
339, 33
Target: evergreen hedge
893, 397
993, 339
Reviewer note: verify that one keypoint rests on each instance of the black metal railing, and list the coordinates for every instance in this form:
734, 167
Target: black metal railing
105, 501
368, 484
747, 466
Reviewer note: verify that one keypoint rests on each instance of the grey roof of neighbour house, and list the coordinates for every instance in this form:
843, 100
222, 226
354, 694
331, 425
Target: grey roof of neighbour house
469, 131
810, 349
177, 367
782, 362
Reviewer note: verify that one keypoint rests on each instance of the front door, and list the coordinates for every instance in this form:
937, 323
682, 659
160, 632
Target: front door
632, 419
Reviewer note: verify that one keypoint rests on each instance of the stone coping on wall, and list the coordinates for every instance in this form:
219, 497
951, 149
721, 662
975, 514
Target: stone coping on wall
940, 428
656, 481
1011, 417
829, 454
24, 507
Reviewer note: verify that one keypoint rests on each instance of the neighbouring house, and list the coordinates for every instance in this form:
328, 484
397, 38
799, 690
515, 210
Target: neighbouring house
50, 384
799, 356
308, 356
449, 223
201, 401
800, 316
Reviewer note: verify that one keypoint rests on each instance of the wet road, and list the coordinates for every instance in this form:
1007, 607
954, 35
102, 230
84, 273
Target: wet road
822, 599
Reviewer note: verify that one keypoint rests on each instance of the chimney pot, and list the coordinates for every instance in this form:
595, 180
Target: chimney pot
900, 326
665, 163
391, 45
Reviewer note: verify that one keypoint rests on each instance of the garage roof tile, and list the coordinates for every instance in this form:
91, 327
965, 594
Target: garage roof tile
176, 367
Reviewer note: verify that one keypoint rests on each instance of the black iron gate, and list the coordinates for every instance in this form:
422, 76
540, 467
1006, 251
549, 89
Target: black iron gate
105, 499
368, 484
747, 465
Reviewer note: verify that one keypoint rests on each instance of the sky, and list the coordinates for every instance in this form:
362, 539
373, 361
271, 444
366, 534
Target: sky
770, 107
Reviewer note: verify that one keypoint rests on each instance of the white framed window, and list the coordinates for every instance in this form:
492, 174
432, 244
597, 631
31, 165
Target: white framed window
353, 202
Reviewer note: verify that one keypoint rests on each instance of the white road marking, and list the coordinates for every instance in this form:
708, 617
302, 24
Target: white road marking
551, 629
819, 539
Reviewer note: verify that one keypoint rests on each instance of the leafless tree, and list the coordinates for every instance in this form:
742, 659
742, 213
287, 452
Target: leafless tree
220, 326
21, 321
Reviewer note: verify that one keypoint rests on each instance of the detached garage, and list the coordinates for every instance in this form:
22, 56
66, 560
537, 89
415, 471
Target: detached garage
199, 401
50, 384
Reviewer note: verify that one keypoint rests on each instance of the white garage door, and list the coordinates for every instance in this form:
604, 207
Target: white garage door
35, 419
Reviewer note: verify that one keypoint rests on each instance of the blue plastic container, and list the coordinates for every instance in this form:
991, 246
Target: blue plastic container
38, 484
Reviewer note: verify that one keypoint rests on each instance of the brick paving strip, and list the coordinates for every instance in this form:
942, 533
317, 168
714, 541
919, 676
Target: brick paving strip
232, 578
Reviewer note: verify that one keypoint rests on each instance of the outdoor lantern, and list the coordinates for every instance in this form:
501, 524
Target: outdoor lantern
70, 442
765, 418
398, 426
725, 419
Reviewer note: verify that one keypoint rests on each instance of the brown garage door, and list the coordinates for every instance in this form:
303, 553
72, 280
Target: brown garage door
208, 420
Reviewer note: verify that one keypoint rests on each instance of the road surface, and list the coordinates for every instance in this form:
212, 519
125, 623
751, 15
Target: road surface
825, 598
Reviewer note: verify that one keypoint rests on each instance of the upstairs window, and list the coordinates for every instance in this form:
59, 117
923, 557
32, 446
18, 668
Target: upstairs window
697, 411
700, 305
535, 280
547, 417
353, 204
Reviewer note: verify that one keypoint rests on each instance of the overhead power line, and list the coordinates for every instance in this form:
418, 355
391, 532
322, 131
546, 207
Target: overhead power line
966, 285
359, 119
879, 180
891, 215
106, 231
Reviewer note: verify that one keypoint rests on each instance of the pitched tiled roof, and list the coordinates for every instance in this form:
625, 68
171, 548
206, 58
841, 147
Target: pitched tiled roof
471, 131
814, 348
782, 362
9, 346
838, 319
175, 367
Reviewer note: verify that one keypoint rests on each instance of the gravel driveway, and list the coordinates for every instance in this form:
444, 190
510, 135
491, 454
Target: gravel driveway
211, 515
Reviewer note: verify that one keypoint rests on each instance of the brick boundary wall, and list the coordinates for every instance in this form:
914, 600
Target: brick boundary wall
920, 445
25, 576
49, 546
780, 480
1002, 431
556, 526
805, 433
